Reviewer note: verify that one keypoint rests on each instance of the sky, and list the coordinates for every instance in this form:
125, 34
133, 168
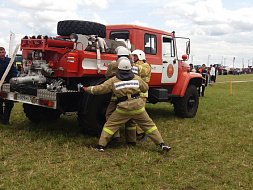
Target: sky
220, 30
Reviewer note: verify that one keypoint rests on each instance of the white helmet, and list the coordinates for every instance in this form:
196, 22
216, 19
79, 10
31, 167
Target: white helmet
122, 51
139, 53
117, 48
124, 64
121, 58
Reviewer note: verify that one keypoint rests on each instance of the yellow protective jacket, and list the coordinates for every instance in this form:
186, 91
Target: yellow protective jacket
111, 70
121, 89
144, 71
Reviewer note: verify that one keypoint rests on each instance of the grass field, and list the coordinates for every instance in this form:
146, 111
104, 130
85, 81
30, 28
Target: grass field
213, 151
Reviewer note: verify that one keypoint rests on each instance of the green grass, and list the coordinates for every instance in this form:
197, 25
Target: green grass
213, 150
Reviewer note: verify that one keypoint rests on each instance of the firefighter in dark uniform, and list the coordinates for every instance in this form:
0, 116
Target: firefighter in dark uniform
126, 86
5, 111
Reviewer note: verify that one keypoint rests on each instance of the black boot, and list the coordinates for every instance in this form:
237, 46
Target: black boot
1, 114
7, 112
6, 117
1, 118
99, 148
165, 147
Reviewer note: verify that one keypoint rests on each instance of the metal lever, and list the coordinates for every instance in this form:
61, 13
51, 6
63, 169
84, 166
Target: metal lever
79, 87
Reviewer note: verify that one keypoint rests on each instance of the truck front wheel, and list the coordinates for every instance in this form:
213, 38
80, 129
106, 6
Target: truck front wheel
187, 106
39, 114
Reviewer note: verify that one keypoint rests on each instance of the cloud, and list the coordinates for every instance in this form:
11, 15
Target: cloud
37, 17
98, 4
208, 15
137, 22
60, 5
212, 28
6, 13
216, 27
41, 17
174, 24
96, 18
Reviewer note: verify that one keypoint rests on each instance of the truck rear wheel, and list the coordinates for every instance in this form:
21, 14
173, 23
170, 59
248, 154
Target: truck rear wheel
38, 114
187, 106
92, 120
67, 27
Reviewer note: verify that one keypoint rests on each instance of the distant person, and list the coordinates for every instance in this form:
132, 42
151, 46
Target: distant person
212, 75
215, 73
192, 68
204, 73
5, 111
19, 68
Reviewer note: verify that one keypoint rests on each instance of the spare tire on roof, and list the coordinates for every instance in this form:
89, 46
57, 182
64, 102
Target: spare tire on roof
67, 27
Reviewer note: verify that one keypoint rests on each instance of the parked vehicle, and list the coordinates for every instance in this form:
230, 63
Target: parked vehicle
55, 67
197, 67
221, 70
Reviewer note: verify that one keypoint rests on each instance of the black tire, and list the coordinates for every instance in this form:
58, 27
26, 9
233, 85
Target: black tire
187, 106
93, 121
39, 114
67, 27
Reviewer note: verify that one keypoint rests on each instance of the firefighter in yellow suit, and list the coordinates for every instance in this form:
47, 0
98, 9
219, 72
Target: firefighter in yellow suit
130, 134
126, 86
142, 69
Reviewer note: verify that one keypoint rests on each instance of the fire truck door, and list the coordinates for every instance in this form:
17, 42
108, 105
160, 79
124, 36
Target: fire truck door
170, 67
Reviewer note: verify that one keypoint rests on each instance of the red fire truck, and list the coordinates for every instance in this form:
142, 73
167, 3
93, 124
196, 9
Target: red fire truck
54, 68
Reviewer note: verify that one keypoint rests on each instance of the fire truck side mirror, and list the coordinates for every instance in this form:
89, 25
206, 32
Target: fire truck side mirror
188, 48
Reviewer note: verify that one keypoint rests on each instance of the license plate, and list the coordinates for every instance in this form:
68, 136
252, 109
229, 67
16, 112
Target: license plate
23, 98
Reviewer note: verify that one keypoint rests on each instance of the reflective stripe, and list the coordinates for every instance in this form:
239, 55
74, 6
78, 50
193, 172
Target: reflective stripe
151, 130
113, 98
134, 111
126, 84
130, 128
144, 94
108, 131
135, 70
140, 68
146, 79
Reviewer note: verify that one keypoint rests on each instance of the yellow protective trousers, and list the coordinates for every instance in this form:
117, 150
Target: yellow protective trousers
130, 130
119, 118
131, 123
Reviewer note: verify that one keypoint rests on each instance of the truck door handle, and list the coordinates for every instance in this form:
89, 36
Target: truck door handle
165, 61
